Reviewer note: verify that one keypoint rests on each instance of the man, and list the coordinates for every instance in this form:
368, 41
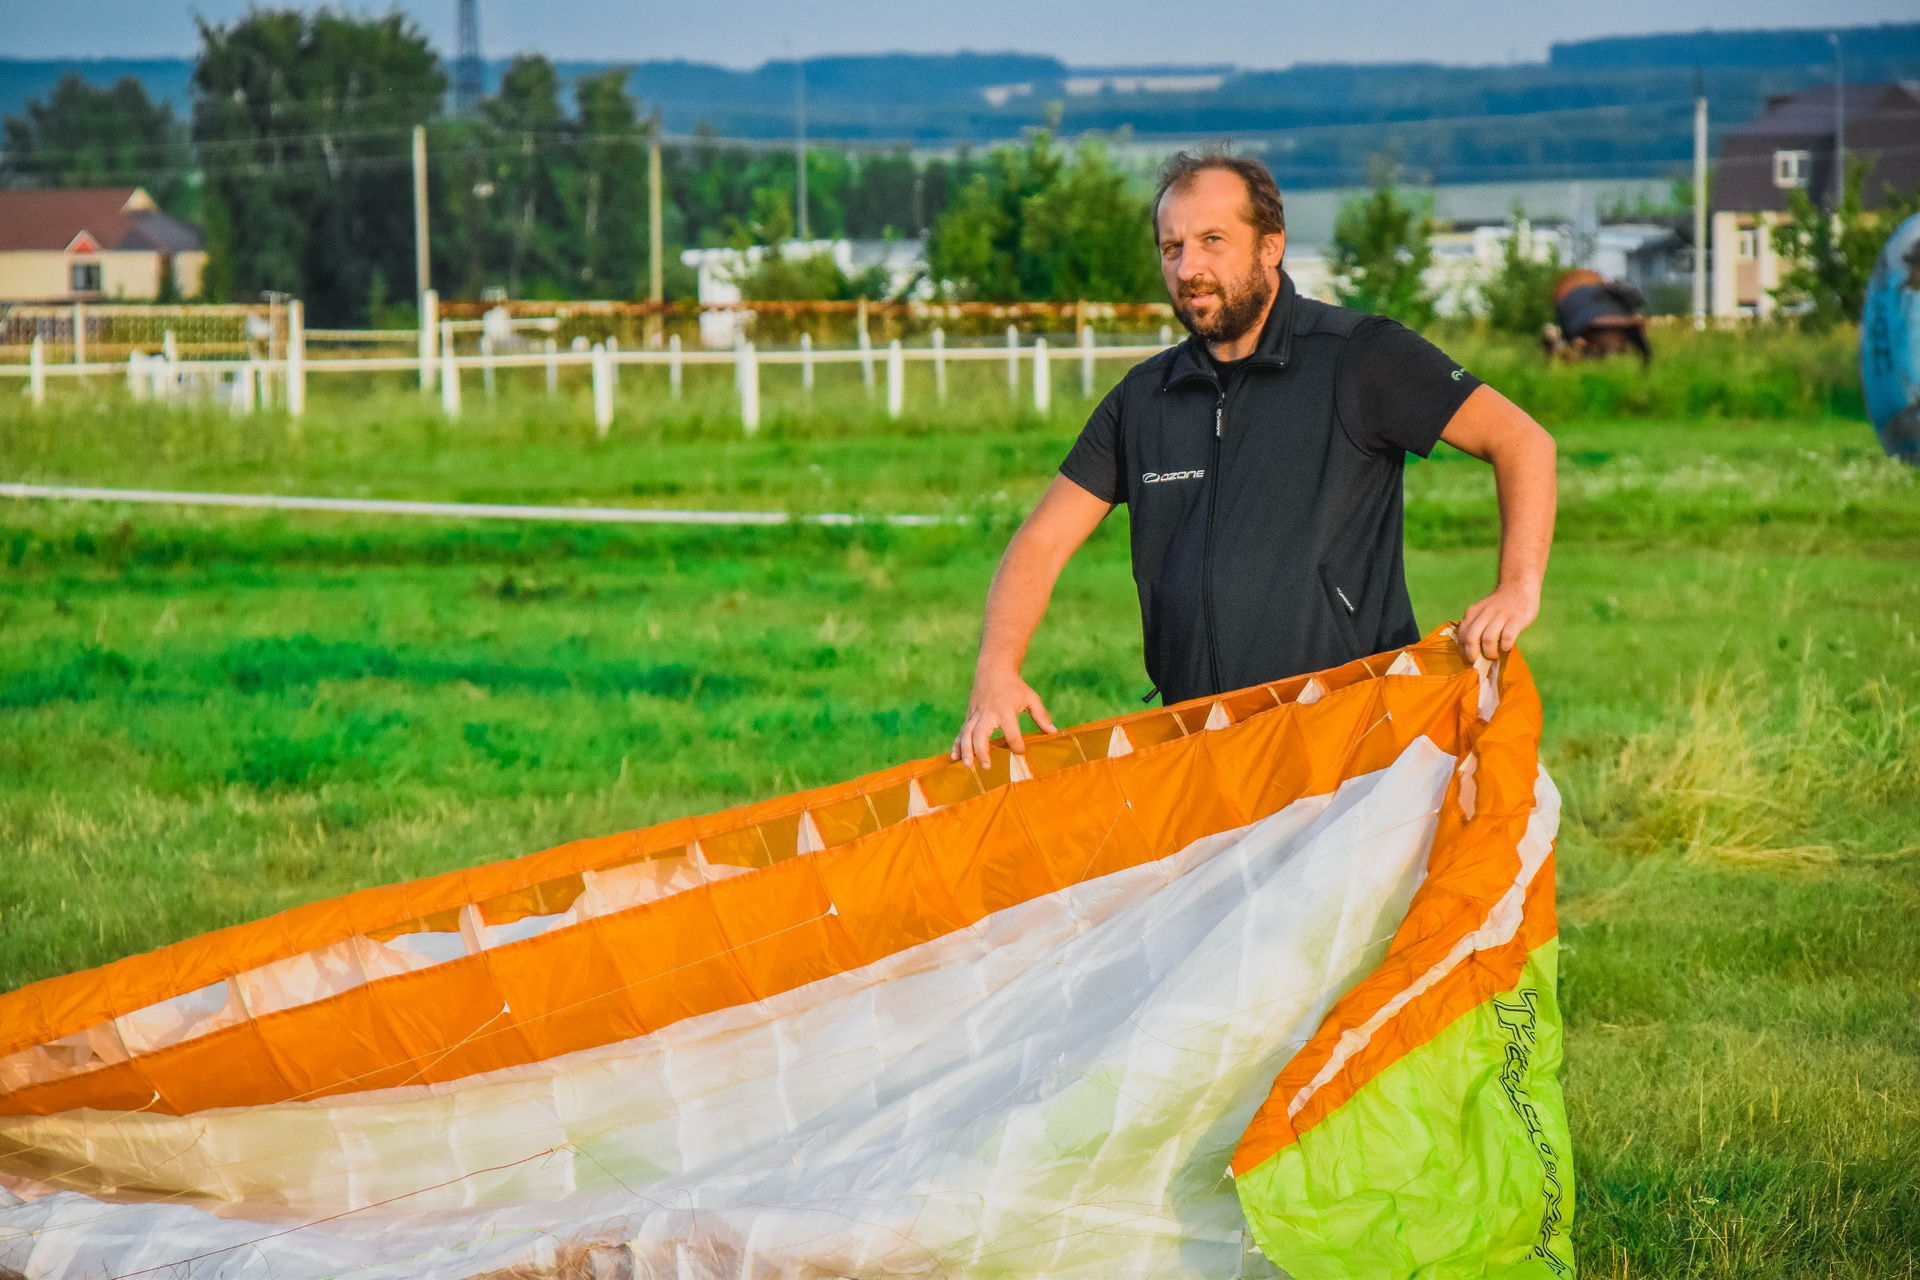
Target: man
1262, 458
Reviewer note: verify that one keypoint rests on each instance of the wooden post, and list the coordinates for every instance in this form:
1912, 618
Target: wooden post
449, 382
79, 333
1042, 377
486, 364
37, 372
1013, 362
656, 267
1166, 335
939, 363
296, 358
429, 330
806, 363
896, 379
602, 389
747, 371
673, 364
553, 368
1086, 359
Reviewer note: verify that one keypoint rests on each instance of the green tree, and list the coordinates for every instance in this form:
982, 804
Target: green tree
84, 136
1091, 231
1518, 297
1831, 252
1382, 247
1033, 224
302, 122
609, 190
528, 137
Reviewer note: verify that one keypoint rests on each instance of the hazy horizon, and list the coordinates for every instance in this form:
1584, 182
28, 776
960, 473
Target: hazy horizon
746, 33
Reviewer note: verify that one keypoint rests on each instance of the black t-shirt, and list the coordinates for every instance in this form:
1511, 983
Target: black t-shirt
1395, 391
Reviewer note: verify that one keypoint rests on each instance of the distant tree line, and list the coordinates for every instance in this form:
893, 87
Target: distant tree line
297, 161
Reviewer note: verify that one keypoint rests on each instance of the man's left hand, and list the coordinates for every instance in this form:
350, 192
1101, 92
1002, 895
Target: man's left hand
1490, 626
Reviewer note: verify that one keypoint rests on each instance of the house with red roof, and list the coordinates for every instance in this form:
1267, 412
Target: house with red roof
86, 244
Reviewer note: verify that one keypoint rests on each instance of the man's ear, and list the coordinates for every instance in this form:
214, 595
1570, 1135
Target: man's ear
1273, 247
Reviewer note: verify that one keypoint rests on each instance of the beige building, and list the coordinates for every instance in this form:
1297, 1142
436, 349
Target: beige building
89, 244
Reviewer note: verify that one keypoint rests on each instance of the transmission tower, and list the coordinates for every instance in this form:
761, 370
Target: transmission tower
467, 87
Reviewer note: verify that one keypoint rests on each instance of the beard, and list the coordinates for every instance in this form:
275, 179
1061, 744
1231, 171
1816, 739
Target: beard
1241, 303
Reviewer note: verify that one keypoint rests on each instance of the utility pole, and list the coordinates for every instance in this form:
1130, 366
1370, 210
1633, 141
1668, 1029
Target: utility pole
468, 69
656, 269
422, 272
1700, 205
800, 145
1839, 122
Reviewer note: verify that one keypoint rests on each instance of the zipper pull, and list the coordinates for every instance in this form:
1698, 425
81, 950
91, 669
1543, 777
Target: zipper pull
1343, 599
1219, 417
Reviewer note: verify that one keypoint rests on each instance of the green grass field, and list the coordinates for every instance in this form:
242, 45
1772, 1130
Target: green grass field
205, 717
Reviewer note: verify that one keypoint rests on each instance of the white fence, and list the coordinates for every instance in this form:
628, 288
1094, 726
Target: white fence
251, 384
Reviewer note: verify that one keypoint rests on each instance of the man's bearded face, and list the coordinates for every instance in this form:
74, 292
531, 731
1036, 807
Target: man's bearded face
1234, 306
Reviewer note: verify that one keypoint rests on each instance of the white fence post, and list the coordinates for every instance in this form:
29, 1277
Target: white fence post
1013, 362
747, 373
866, 351
170, 349
137, 381
243, 387
449, 382
896, 379
613, 361
486, 364
1166, 335
673, 364
1042, 377
296, 358
37, 371
602, 389
79, 333
553, 368
1086, 361
939, 363
806, 363
429, 330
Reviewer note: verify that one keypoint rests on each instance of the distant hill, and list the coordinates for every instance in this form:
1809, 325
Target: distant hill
1889, 42
1619, 106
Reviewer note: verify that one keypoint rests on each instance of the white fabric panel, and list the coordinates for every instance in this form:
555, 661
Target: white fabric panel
1053, 1092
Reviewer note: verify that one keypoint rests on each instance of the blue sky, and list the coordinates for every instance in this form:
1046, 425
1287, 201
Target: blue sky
1252, 33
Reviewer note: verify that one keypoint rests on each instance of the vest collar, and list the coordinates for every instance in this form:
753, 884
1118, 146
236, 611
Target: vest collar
1274, 350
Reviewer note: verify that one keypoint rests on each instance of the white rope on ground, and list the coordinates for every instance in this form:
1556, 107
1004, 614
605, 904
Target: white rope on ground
460, 510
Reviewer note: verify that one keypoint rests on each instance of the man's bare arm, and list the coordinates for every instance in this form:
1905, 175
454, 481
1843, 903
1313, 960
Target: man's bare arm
1494, 429
1022, 585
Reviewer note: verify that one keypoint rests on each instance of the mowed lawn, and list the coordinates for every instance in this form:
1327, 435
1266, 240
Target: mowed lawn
207, 716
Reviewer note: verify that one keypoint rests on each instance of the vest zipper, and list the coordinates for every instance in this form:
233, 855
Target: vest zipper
1206, 553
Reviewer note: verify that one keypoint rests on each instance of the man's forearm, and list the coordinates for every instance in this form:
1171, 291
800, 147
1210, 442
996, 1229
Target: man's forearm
1524, 479
1017, 600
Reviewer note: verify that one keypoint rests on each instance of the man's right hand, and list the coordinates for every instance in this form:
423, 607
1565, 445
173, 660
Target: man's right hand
997, 700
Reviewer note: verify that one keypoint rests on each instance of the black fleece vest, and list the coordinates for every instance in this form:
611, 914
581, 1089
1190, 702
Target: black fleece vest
1265, 542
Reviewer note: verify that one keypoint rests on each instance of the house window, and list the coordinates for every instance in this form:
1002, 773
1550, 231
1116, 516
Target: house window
1790, 168
86, 277
1748, 244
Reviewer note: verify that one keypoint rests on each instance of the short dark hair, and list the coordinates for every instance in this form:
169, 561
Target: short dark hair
1265, 213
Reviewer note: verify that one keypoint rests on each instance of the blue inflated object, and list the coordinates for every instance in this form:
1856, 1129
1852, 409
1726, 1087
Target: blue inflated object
1890, 343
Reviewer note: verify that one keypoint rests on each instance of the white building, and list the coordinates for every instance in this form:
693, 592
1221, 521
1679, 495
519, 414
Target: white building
720, 271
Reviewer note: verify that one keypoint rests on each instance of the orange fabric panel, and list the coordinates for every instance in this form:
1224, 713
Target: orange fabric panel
792, 920
1472, 864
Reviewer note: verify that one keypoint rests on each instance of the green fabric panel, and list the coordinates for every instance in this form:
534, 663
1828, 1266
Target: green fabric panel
1452, 1164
